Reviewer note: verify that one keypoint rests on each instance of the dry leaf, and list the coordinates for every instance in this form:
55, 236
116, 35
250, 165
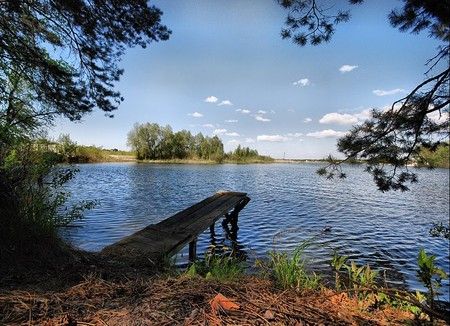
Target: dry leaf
269, 315
222, 302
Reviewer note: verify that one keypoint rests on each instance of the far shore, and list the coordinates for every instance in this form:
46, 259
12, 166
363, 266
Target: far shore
128, 158
131, 158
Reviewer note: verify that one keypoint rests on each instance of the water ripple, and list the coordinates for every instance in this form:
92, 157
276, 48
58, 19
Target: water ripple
383, 229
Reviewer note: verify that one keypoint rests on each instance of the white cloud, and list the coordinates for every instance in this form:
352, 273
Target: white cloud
302, 82
364, 114
272, 111
291, 110
211, 99
296, 134
249, 140
262, 112
231, 121
346, 118
347, 68
307, 120
381, 92
219, 131
208, 125
438, 117
272, 138
338, 118
225, 102
196, 115
262, 119
244, 111
327, 133
232, 134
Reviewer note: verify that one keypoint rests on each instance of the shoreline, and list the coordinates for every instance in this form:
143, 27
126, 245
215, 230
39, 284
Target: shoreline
94, 290
132, 159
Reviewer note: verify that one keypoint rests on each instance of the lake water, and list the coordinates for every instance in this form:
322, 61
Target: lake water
289, 203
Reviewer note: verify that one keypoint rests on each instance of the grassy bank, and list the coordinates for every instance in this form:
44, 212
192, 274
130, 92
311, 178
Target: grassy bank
93, 154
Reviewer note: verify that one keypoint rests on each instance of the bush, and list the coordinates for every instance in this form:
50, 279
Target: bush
32, 201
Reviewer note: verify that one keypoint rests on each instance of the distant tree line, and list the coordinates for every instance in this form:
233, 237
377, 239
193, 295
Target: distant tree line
151, 141
246, 154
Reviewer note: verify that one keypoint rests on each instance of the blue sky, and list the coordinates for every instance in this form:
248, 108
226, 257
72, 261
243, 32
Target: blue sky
226, 71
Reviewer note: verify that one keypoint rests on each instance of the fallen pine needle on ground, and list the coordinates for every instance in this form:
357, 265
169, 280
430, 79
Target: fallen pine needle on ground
186, 300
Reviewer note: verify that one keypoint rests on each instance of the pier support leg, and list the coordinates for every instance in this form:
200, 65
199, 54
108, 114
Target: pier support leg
193, 250
211, 230
232, 219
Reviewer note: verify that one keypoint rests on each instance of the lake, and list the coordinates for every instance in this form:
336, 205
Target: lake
289, 203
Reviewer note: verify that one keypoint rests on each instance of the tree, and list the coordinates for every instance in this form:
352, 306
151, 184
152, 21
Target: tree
151, 141
66, 147
389, 139
67, 52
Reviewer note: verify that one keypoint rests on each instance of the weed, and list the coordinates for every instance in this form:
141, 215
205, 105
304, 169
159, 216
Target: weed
290, 272
430, 275
223, 268
357, 276
338, 262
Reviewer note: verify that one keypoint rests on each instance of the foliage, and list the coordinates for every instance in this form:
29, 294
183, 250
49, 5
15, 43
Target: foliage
151, 141
358, 277
67, 52
290, 271
437, 156
66, 147
223, 268
245, 155
430, 275
89, 154
33, 199
58, 58
395, 301
392, 137
309, 22
338, 262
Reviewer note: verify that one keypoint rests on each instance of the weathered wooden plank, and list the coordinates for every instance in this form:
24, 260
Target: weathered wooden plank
199, 209
172, 234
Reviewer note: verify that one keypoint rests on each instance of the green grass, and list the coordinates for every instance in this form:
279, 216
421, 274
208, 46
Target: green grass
222, 268
289, 271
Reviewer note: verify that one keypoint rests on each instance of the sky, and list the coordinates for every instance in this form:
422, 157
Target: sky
226, 71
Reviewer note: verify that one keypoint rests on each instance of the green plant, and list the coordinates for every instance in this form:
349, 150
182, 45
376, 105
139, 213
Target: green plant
395, 301
338, 262
223, 268
430, 275
367, 276
33, 200
357, 276
290, 271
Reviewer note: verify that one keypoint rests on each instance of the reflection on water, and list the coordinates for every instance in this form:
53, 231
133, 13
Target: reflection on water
385, 230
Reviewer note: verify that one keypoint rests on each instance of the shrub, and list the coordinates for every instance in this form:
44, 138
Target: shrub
32, 201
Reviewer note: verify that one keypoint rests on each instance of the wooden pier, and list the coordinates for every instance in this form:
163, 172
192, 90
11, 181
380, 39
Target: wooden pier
169, 236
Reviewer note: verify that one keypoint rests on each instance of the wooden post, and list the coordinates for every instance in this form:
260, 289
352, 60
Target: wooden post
232, 219
211, 229
193, 250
